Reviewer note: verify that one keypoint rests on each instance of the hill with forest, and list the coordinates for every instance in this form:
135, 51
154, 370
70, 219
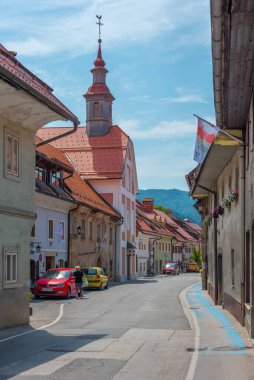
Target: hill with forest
178, 201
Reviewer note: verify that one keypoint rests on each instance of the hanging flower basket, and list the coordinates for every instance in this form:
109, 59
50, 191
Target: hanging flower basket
207, 219
227, 202
234, 195
220, 210
215, 214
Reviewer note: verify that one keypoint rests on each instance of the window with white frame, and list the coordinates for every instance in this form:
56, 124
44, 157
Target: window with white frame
11, 155
10, 266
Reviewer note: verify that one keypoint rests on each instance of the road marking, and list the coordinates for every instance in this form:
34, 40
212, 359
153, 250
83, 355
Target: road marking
190, 314
39, 328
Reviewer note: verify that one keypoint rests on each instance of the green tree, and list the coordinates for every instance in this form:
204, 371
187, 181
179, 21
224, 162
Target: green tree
196, 256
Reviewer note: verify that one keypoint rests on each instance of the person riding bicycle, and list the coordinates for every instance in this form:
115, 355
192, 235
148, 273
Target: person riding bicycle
78, 282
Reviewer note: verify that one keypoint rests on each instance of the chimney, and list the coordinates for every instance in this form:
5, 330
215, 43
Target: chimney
169, 212
148, 204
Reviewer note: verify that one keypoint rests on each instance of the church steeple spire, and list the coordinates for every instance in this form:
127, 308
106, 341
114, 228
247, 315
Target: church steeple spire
98, 97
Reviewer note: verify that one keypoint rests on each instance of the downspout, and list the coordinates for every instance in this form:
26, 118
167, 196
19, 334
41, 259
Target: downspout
69, 231
215, 245
75, 125
242, 204
116, 256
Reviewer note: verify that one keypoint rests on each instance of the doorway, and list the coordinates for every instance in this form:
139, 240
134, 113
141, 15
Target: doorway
128, 266
50, 262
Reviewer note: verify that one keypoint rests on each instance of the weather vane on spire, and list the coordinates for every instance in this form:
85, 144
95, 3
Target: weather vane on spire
100, 24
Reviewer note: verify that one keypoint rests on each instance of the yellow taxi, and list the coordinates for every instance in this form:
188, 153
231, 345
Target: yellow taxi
191, 266
96, 277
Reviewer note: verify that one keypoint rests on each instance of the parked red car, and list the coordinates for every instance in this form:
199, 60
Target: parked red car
171, 268
57, 282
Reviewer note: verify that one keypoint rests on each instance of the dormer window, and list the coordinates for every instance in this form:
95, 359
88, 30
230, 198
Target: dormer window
56, 179
39, 173
96, 109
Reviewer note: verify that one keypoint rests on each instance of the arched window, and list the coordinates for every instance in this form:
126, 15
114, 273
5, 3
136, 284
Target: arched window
96, 109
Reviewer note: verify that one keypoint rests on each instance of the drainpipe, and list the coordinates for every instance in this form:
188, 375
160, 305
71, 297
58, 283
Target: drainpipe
215, 245
242, 205
69, 231
75, 125
117, 256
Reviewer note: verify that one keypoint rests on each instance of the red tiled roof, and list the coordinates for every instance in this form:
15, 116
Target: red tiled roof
14, 70
100, 157
80, 190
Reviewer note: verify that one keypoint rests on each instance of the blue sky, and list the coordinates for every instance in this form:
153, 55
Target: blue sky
158, 53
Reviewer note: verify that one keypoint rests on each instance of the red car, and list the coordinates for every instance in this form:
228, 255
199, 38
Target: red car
57, 282
171, 268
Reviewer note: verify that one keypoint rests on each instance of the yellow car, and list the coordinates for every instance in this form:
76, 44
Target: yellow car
96, 277
191, 266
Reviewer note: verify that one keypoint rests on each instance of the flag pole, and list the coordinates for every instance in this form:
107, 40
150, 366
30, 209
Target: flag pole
221, 131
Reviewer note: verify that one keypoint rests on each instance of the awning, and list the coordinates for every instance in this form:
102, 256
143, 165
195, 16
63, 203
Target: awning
131, 245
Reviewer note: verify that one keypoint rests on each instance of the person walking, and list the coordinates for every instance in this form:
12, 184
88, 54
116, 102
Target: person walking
78, 282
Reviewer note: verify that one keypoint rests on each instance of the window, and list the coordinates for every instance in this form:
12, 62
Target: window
98, 232
50, 230
140, 267
39, 173
56, 179
230, 183
10, 267
83, 227
237, 178
33, 232
60, 231
111, 235
11, 155
96, 109
90, 230
232, 267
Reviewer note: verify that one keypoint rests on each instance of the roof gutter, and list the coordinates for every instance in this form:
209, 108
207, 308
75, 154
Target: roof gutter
75, 125
217, 55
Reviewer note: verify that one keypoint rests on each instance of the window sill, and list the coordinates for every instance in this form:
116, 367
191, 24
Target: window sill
12, 177
11, 285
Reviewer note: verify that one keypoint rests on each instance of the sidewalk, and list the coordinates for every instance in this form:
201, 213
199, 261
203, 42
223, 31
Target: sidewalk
222, 348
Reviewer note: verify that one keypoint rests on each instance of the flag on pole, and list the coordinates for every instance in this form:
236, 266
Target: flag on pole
205, 136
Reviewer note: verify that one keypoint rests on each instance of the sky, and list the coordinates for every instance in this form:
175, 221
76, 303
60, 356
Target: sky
158, 54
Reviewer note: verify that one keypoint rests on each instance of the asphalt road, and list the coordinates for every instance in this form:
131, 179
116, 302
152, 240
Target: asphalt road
135, 330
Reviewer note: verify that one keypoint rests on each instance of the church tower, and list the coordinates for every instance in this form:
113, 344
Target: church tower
98, 97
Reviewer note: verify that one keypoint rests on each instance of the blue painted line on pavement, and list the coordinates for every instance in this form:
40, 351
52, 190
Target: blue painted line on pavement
206, 309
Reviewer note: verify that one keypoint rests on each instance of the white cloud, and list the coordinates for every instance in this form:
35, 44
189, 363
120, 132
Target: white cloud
185, 95
164, 129
69, 26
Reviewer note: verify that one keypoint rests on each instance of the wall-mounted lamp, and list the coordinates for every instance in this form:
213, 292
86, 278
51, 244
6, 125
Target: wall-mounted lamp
38, 248
79, 230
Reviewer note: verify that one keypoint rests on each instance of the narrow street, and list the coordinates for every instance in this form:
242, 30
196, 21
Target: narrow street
134, 330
